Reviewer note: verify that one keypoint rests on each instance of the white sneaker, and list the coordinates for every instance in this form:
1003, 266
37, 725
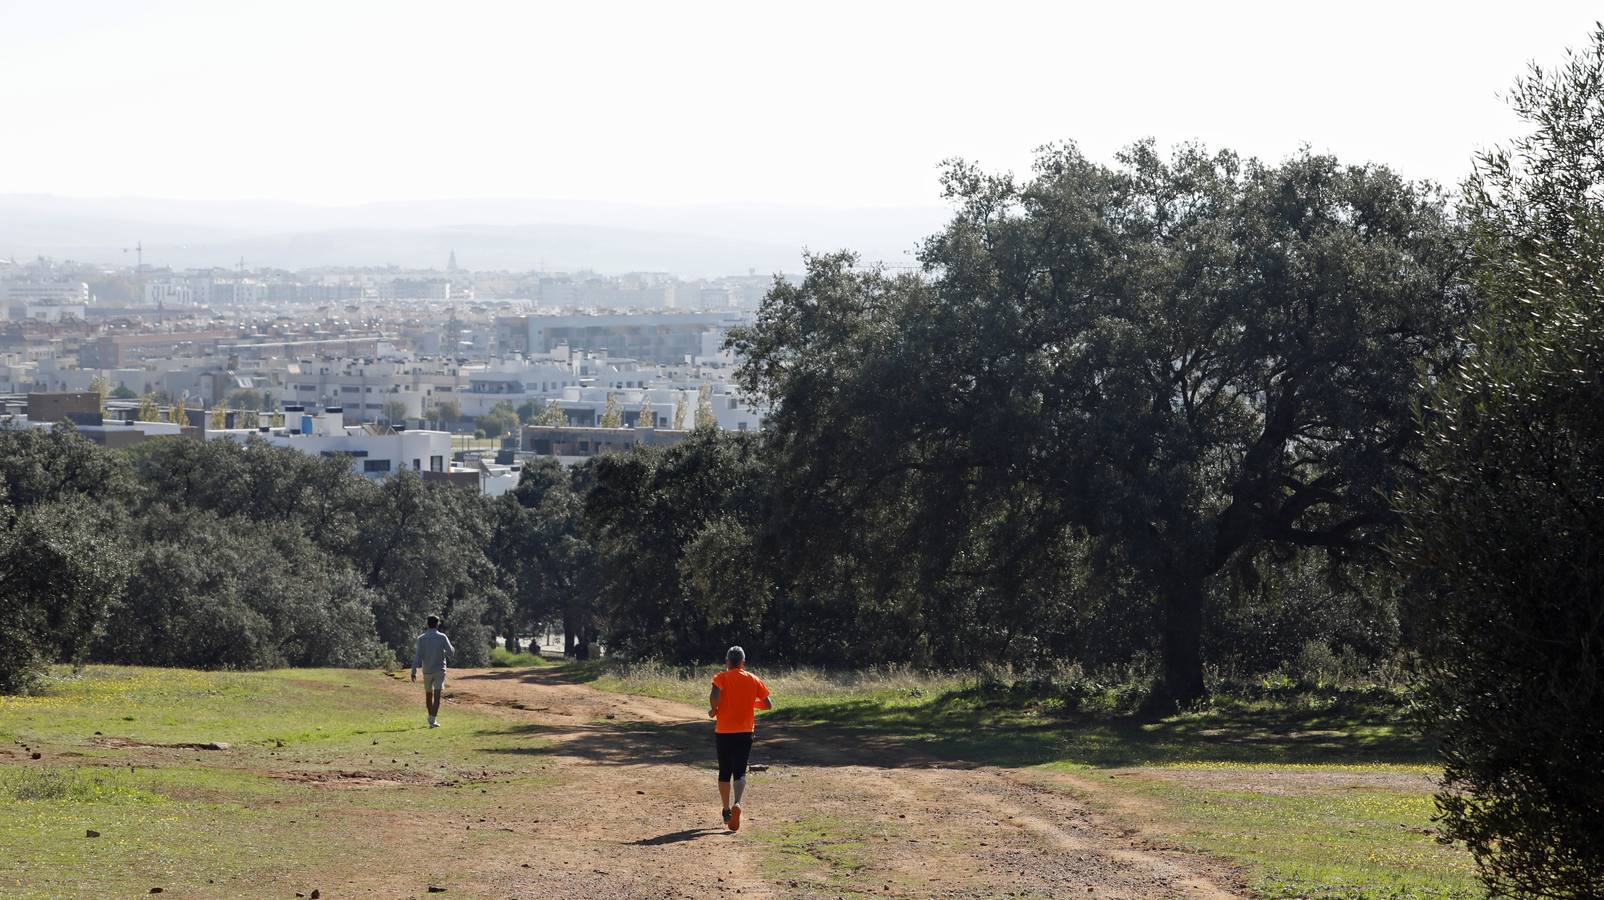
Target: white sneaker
433, 723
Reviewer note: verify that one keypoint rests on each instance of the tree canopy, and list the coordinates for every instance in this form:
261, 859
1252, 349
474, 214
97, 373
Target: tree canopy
1184, 363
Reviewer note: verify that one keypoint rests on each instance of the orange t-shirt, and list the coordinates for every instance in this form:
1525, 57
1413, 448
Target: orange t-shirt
738, 694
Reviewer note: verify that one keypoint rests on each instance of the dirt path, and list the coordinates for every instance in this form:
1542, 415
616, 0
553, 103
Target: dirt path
632, 812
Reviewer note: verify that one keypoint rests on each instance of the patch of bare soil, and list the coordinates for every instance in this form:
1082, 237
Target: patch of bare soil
357, 779
117, 743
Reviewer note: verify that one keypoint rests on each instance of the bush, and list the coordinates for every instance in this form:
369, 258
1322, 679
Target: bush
210, 592
1288, 611
1507, 542
1504, 534
64, 566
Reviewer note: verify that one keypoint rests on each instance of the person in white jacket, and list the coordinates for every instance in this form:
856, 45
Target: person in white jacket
431, 653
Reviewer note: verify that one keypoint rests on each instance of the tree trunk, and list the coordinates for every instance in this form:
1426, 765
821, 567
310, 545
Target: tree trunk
512, 640
570, 631
1182, 649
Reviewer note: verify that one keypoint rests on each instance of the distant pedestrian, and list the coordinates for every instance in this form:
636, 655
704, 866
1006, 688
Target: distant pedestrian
431, 653
733, 703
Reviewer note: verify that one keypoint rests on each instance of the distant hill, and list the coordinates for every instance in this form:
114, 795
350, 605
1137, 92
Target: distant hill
485, 234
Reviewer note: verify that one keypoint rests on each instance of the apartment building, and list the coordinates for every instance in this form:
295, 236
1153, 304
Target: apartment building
374, 451
656, 337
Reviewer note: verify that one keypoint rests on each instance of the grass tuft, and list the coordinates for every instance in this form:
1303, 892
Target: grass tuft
502, 658
70, 785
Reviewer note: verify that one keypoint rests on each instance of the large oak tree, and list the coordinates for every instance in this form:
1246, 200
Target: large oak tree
1182, 363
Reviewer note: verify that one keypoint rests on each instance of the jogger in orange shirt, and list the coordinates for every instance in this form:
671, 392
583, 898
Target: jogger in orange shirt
733, 703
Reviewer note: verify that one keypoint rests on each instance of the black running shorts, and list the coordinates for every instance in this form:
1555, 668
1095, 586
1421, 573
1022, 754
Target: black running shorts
734, 750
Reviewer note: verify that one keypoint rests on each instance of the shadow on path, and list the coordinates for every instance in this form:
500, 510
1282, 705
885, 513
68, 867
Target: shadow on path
674, 837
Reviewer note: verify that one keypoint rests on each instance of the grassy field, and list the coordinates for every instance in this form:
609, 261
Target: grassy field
1317, 794
112, 761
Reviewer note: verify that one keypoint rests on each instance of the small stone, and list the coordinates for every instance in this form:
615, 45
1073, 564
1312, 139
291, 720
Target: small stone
436, 889
314, 895
89, 833
640, 792
155, 890
35, 755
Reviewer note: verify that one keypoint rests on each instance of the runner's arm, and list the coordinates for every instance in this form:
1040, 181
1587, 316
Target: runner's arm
417, 652
712, 703
765, 702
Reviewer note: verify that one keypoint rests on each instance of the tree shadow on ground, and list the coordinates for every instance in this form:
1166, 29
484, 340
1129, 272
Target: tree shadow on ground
970, 727
691, 743
950, 728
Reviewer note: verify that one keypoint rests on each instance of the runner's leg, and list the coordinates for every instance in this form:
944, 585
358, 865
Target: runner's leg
722, 745
741, 756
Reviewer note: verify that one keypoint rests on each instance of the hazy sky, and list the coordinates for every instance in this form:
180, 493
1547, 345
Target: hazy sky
672, 102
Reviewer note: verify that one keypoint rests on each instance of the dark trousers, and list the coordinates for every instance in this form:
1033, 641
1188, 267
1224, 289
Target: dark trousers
734, 751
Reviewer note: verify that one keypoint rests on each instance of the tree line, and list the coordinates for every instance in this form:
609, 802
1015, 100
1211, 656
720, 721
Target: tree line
184, 553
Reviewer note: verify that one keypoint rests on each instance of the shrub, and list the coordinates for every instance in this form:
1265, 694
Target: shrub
211, 592
1504, 534
1508, 541
63, 567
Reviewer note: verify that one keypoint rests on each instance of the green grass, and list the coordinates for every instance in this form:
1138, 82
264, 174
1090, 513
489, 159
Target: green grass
179, 818
1338, 842
73, 786
179, 706
1359, 835
824, 850
689, 684
502, 658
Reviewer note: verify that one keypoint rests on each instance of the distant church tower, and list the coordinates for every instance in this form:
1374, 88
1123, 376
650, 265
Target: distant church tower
451, 264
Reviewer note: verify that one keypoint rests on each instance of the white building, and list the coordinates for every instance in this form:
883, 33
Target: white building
168, 293
243, 292
111, 432
44, 292
373, 451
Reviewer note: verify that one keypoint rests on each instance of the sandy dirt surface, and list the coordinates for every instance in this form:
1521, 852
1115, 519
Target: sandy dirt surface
632, 811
